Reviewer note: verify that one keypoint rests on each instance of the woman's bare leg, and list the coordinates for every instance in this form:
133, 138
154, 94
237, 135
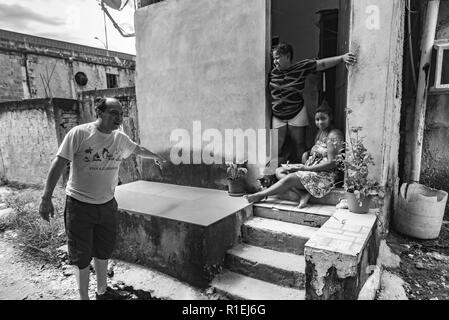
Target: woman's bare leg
281, 186
305, 197
281, 173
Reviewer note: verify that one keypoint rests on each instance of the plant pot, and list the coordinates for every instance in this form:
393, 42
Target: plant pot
236, 187
358, 205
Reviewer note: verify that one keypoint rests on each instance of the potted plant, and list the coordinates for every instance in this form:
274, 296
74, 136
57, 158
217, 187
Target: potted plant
360, 189
236, 175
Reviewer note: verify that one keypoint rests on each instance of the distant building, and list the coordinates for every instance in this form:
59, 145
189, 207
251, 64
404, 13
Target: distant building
34, 67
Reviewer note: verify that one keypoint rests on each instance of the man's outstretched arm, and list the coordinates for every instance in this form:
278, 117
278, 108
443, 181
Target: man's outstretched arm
331, 62
46, 208
145, 153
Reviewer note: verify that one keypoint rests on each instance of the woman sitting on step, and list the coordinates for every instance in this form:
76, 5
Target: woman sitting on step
318, 174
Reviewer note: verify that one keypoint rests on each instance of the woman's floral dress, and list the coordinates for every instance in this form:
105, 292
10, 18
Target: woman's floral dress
318, 184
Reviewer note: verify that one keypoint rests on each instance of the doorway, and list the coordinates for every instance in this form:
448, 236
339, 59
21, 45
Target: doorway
316, 30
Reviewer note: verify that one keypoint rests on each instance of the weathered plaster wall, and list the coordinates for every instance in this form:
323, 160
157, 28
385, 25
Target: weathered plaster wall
11, 87
28, 140
209, 65
26, 63
375, 86
435, 160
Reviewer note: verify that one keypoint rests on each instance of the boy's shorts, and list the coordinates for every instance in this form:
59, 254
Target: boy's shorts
91, 230
300, 120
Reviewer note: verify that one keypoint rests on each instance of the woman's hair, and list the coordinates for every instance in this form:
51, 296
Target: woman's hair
324, 108
284, 49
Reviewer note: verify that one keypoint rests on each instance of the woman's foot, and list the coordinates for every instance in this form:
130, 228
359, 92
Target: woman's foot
305, 197
256, 197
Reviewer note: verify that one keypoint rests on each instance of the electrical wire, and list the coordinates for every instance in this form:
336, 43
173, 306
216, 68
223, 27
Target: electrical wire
410, 44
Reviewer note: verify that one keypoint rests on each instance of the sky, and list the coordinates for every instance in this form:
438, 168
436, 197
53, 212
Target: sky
77, 21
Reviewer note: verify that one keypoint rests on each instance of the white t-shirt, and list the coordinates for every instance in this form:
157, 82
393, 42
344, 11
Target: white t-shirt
96, 159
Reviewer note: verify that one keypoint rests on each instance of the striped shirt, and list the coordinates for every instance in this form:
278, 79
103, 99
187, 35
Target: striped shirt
287, 86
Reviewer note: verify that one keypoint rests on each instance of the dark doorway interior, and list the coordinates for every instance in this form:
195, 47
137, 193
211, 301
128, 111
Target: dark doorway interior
312, 28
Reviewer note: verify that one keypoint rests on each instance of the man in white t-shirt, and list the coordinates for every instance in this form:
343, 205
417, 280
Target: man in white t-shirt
95, 150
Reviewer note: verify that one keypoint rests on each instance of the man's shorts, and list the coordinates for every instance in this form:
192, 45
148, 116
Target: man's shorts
91, 230
300, 120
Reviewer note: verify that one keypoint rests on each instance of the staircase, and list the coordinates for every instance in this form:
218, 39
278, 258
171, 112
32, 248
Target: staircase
269, 264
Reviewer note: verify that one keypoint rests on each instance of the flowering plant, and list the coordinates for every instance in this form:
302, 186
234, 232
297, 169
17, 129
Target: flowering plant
355, 162
236, 170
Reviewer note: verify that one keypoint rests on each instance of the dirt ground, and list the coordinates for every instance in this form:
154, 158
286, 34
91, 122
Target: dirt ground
424, 268
424, 265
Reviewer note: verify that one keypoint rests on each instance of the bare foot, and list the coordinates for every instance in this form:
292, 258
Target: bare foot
256, 197
304, 200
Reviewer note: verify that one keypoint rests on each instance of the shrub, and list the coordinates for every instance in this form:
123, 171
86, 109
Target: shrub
33, 232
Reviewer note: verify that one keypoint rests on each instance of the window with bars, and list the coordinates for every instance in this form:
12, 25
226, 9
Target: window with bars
111, 80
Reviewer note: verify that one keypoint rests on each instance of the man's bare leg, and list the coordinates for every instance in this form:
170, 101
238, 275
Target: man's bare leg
276, 149
82, 278
298, 136
101, 271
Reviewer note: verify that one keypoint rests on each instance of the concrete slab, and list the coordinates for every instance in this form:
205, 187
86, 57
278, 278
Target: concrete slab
280, 268
277, 235
192, 205
181, 231
158, 284
314, 215
237, 286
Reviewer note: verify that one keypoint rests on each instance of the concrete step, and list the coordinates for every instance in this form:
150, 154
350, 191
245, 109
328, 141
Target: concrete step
314, 215
240, 287
281, 268
277, 235
332, 198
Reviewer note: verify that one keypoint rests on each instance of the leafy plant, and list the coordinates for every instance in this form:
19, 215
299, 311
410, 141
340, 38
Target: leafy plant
355, 163
236, 171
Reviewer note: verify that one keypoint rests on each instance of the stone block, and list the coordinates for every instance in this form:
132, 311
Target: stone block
181, 231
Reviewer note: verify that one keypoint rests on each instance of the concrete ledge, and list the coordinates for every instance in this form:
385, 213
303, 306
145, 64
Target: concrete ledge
314, 215
181, 231
338, 254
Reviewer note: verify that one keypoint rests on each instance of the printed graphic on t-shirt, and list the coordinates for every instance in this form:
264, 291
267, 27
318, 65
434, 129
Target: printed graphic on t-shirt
105, 155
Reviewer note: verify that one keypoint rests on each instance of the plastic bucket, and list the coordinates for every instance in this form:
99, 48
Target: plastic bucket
420, 211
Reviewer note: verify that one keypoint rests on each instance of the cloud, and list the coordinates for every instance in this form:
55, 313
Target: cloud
20, 16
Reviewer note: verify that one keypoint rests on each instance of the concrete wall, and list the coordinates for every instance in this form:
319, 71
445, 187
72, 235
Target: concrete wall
374, 87
11, 87
25, 63
28, 140
209, 65
435, 159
